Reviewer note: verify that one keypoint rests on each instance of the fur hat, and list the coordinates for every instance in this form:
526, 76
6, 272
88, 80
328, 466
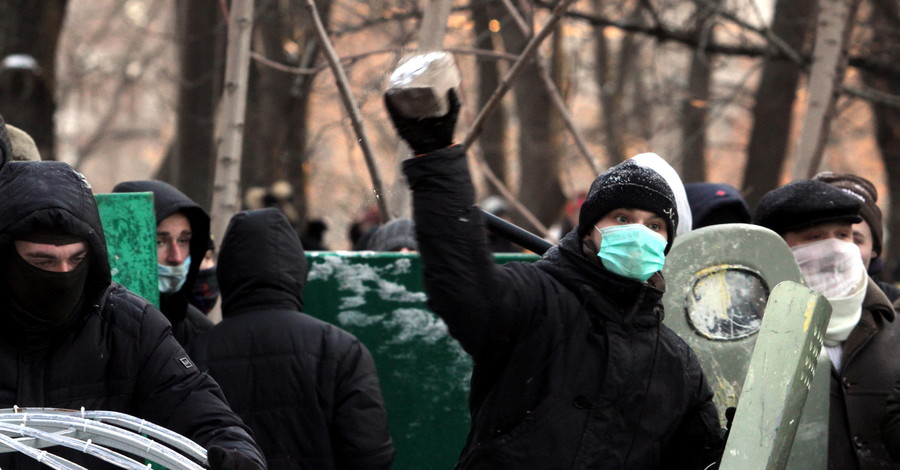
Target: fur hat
394, 236
631, 186
805, 203
22, 145
5, 145
869, 211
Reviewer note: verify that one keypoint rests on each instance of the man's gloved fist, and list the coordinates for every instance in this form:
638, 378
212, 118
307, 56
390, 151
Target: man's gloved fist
428, 134
220, 458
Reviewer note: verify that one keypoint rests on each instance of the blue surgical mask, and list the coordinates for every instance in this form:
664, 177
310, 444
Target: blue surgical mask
633, 250
171, 278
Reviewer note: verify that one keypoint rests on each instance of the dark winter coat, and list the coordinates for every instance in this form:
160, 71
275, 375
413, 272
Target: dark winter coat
870, 366
187, 321
573, 368
308, 389
116, 352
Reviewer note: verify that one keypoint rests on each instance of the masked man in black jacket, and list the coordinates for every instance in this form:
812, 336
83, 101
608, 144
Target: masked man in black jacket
72, 338
182, 237
573, 367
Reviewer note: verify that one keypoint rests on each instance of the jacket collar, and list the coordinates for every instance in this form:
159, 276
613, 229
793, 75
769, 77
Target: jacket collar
612, 297
876, 310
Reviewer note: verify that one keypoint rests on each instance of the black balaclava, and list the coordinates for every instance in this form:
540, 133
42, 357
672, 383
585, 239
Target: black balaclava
41, 297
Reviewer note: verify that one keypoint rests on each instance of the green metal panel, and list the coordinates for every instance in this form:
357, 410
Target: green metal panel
781, 372
424, 372
129, 224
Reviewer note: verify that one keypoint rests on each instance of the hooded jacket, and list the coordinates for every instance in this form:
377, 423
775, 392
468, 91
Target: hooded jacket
187, 321
116, 351
859, 391
573, 368
308, 389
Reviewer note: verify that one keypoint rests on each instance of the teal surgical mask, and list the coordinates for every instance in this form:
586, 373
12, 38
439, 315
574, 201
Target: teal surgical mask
171, 278
633, 250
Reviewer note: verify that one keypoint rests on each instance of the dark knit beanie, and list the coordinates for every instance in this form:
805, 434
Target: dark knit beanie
716, 203
869, 210
631, 186
802, 204
394, 236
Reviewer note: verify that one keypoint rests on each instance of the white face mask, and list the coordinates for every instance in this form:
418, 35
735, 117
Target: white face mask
171, 278
831, 267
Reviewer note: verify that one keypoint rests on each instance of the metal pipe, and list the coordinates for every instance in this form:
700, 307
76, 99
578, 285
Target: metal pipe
515, 234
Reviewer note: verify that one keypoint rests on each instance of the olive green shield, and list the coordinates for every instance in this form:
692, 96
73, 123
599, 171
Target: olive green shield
718, 280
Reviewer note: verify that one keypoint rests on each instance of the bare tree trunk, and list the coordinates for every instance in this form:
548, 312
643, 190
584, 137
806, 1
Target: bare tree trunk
190, 163
540, 187
885, 23
773, 112
296, 142
27, 93
695, 107
609, 101
829, 63
226, 192
268, 104
493, 140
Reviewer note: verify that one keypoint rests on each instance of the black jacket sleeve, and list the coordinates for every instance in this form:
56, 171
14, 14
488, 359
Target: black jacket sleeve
481, 303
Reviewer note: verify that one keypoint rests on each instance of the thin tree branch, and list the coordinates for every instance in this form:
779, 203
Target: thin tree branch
347, 98
348, 59
662, 34
526, 55
554, 93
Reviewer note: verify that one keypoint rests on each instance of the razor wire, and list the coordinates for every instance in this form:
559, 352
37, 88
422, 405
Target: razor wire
113, 437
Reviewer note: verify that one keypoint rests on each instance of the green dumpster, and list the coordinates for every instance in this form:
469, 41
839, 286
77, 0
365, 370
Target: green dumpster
424, 373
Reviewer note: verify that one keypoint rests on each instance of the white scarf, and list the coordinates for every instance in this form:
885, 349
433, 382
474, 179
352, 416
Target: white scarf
845, 314
835, 269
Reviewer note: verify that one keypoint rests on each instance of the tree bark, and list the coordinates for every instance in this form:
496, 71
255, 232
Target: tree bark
190, 163
540, 188
885, 23
226, 191
775, 95
695, 106
492, 141
835, 23
27, 97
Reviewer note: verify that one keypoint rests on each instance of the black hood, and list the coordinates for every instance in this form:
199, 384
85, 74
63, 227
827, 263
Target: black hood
52, 195
261, 263
168, 200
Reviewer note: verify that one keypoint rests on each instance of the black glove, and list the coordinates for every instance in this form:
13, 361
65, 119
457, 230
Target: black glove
428, 134
220, 458
729, 418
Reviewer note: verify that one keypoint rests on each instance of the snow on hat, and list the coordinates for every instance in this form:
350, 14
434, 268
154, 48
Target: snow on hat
865, 190
634, 186
805, 203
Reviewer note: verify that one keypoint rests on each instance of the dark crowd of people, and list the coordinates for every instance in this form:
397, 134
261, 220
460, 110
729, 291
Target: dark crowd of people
573, 366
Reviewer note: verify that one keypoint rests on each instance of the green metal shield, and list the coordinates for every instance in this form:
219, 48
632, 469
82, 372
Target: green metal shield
718, 280
779, 378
